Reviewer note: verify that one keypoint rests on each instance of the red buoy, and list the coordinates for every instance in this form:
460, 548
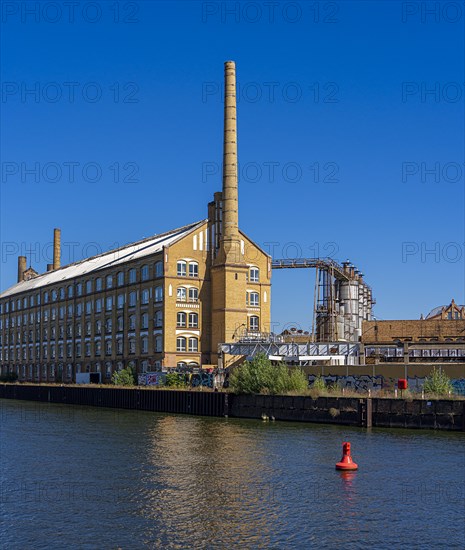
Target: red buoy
346, 460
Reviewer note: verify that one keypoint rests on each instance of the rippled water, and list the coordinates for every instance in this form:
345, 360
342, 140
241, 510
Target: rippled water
78, 477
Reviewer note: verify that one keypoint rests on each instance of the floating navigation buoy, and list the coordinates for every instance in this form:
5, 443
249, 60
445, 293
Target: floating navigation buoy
346, 460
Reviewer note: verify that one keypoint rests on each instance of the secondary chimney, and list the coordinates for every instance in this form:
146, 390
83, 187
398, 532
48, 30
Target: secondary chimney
49, 267
56, 248
230, 236
22, 266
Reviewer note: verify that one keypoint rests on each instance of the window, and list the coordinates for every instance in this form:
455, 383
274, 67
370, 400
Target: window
87, 349
108, 325
61, 332
69, 330
193, 320
69, 310
79, 289
109, 303
158, 297
144, 321
132, 298
88, 287
158, 344
61, 312
254, 323
120, 278
181, 319
78, 329
109, 281
252, 299
132, 345
193, 269
159, 269
145, 296
88, 307
98, 283
144, 344
62, 293
69, 350
120, 301
132, 322
180, 343
132, 275
193, 344
181, 294
98, 305
70, 291
254, 275
193, 295
79, 309
98, 327
181, 269
52, 351
54, 295
144, 273
88, 328
119, 346
158, 319
108, 347
120, 323
98, 347
53, 314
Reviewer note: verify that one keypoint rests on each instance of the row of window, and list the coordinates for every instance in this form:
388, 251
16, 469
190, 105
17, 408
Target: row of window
57, 351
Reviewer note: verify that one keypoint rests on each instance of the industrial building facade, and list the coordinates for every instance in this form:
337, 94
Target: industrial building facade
164, 302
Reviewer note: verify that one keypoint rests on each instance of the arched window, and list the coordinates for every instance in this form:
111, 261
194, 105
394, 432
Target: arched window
252, 299
181, 365
158, 319
132, 275
108, 347
144, 321
98, 283
144, 344
193, 269
254, 274
132, 345
193, 294
109, 281
120, 278
159, 269
132, 322
98, 347
180, 343
144, 272
158, 344
181, 268
193, 344
119, 346
193, 320
181, 294
181, 319
144, 297
254, 323
158, 294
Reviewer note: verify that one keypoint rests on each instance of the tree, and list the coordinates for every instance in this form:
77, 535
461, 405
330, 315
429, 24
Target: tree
124, 377
260, 376
438, 383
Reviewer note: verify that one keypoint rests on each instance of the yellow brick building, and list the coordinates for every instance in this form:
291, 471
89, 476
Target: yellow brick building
160, 303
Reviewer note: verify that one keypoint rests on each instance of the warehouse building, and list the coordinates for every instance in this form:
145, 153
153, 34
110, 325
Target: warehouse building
163, 302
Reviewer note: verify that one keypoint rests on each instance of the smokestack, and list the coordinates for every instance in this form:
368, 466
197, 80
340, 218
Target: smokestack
56, 248
22, 266
230, 228
49, 267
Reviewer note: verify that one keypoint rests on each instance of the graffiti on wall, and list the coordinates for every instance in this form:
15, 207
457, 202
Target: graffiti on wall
365, 382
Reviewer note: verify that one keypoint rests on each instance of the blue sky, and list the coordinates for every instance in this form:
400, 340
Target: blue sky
351, 135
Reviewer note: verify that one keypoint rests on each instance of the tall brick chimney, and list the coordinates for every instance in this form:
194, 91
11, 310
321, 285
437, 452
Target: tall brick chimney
56, 248
22, 266
230, 250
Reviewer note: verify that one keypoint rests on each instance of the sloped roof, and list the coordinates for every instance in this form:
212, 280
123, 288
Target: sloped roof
129, 252
438, 310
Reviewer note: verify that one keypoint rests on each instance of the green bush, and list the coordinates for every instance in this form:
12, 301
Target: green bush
124, 377
319, 383
260, 376
175, 380
438, 383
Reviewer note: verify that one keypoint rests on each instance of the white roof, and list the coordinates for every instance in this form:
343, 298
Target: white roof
122, 255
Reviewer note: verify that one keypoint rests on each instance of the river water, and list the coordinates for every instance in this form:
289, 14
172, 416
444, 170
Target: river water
88, 478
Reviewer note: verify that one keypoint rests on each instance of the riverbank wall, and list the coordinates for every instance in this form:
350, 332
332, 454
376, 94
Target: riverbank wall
444, 414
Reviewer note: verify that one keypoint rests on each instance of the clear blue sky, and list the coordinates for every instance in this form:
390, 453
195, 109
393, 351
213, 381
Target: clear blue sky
344, 90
